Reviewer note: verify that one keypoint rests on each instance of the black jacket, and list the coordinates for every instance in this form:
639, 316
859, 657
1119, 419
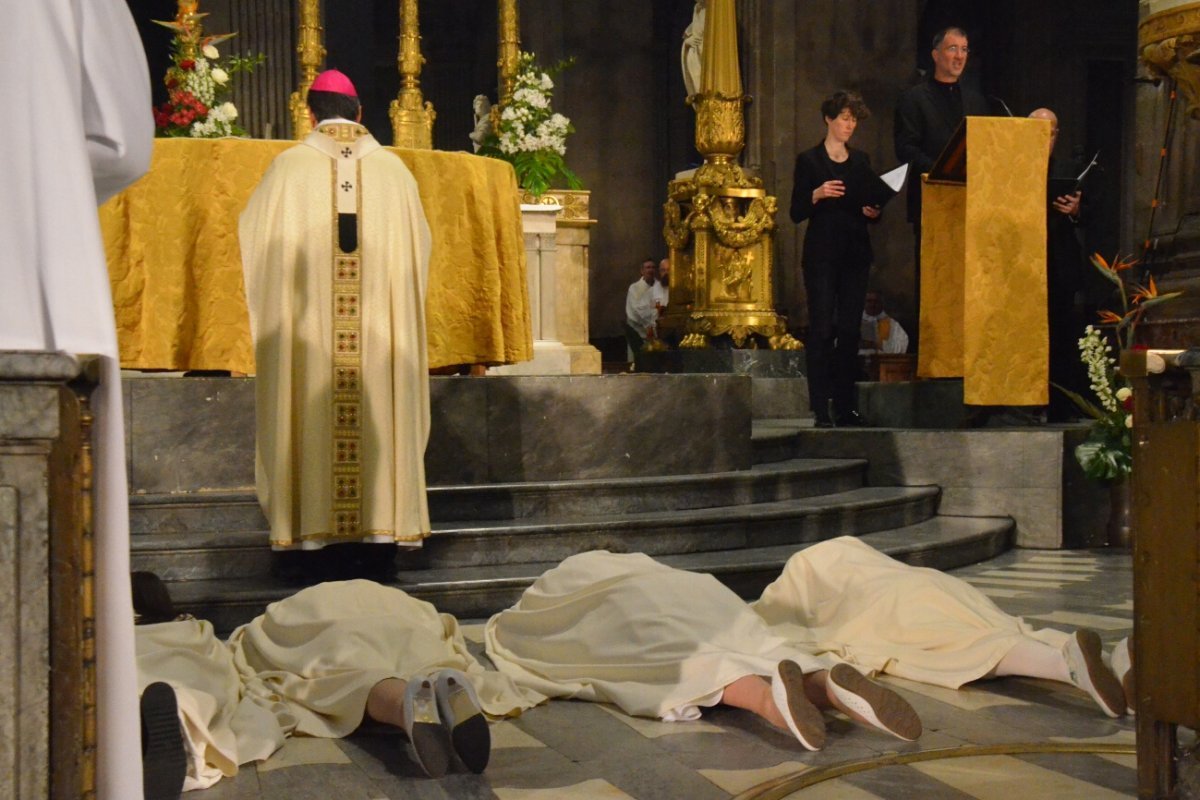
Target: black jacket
926, 117
837, 227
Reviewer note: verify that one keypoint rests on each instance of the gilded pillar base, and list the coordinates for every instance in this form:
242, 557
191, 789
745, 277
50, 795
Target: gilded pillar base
412, 122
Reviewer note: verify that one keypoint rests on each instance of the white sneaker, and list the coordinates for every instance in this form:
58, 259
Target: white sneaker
1122, 666
803, 719
873, 703
1085, 661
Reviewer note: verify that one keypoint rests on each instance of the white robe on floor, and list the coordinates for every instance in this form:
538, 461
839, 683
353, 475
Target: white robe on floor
844, 597
79, 129
323, 649
223, 725
625, 629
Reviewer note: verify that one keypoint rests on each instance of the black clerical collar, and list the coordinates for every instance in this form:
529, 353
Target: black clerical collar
948, 88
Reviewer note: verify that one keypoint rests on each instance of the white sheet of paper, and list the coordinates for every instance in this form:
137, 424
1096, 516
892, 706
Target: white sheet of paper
895, 178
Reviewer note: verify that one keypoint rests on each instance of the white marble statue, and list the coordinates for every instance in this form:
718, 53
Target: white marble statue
693, 45
483, 120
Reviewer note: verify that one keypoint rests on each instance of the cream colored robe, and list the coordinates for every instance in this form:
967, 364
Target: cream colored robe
322, 649
223, 725
625, 629
371, 414
844, 597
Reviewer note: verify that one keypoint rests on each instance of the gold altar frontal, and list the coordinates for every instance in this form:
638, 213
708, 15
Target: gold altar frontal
176, 271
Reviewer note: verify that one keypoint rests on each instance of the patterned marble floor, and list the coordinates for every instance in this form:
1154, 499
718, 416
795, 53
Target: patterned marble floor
587, 751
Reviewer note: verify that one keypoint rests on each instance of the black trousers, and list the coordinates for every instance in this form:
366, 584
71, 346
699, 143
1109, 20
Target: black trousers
836, 291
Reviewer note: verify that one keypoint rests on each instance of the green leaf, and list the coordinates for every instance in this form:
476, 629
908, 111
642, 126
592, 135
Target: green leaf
1085, 405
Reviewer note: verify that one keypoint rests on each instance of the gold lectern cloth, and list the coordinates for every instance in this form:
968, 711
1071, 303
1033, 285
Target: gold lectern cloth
176, 270
983, 268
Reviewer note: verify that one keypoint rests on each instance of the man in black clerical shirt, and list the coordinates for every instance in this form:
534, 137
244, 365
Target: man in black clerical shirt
927, 115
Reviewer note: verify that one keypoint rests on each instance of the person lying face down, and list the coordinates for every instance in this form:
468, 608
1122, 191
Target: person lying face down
315, 664
844, 598
662, 642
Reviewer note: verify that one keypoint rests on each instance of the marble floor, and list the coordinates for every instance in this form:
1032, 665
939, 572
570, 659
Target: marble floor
589, 751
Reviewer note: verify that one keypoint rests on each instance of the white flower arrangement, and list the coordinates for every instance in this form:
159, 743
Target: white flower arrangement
529, 135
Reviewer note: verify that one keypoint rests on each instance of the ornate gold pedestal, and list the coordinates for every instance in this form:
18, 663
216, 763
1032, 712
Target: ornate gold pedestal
719, 227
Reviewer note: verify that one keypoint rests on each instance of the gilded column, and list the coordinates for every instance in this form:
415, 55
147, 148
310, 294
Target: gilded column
312, 53
412, 117
508, 50
720, 223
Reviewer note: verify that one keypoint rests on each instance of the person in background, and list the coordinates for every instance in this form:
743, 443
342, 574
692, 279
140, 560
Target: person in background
641, 315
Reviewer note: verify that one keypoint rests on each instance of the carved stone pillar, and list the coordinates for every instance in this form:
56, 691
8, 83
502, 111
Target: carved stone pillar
412, 117
47, 699
1167, 191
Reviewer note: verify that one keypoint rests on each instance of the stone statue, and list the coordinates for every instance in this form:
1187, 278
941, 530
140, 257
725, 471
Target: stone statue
483, 120
693, 45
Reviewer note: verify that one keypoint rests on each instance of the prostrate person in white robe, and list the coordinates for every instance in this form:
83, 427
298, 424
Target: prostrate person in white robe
341, 650
661, 642
844, 598
336, 294
77, 97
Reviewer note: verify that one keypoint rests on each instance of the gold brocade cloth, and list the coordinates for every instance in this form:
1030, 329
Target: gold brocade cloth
983, 268
176, 272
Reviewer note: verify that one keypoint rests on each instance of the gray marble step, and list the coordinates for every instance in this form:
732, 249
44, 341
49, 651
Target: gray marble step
244, 554
477, 592
238, 510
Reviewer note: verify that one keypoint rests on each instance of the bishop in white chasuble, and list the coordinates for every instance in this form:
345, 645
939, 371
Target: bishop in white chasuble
335, 249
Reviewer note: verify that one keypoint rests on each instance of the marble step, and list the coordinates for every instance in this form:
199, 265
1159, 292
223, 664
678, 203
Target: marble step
244, 554
238, 510
477, 592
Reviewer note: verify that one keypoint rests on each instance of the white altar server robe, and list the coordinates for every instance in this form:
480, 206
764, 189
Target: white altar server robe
79, 129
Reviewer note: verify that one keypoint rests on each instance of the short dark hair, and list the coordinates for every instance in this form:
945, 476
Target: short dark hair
839, 101
940, 35
327, 105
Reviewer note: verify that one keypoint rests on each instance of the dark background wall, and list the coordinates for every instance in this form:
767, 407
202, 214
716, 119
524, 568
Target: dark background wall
634, 132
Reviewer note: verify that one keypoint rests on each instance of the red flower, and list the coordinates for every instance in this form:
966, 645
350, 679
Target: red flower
1139, 347
187, 64
1127, 404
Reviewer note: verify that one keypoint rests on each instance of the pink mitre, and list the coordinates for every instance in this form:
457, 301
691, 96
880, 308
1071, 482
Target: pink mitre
333, 81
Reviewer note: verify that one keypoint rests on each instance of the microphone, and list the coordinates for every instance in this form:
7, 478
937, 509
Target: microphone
1003, 104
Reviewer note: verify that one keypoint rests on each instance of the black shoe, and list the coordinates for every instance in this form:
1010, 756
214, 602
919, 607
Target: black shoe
850, 419
164, 760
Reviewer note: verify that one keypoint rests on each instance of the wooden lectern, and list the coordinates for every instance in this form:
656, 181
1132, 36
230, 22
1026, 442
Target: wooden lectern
983, 262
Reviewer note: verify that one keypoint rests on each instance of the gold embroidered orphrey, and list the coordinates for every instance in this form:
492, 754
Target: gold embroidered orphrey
346, 408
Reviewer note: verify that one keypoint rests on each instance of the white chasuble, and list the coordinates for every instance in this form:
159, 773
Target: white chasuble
844, 597
335, 249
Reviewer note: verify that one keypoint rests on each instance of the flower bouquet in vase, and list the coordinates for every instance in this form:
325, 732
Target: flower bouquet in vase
528, 134
1107, 455
198, 81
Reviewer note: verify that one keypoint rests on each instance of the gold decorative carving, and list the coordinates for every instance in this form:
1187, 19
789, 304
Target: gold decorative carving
312, 52
574, 205
508, 54
1169, 44
720, 125
737, 268
411, 115
693, 341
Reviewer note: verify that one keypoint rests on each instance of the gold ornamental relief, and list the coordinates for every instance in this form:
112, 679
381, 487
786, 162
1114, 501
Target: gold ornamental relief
735, 268
1169, 44
720, 124
1177, 21
736, 226
676, 230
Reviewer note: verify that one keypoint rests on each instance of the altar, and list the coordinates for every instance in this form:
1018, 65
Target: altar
176, 272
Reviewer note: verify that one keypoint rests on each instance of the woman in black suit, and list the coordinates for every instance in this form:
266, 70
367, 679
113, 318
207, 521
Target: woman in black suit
829, 187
